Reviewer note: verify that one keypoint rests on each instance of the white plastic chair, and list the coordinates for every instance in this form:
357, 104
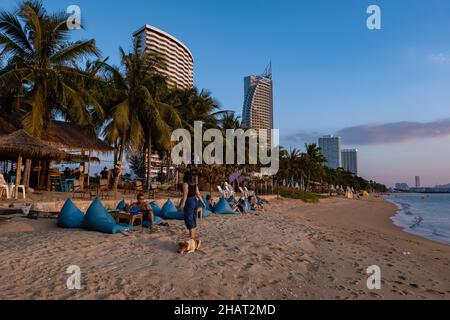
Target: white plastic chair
18, 189
4, 188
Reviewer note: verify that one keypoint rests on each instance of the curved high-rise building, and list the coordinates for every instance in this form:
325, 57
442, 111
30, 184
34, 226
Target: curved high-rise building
258, 102
179, 60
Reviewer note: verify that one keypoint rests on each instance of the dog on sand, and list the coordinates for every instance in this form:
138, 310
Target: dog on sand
189, 246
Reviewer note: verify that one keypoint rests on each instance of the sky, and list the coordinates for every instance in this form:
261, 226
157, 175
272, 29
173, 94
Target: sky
386, 92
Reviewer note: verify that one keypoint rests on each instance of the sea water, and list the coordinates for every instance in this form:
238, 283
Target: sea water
425, 215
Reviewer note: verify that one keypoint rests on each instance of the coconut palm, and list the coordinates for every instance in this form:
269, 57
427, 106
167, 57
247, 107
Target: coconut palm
137, 114
39, 66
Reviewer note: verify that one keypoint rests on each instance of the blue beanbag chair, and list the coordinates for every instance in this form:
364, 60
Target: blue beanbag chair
169, 211
156, 220
249, 205
156, 210
206, 211
122, 206
208, 207
97, 218
70, 216
223, 207
261, 201
232, 199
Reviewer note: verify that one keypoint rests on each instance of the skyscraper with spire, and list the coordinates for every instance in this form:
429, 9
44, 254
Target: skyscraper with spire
258, 102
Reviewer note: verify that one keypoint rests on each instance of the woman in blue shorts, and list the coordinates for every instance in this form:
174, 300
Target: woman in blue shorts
189, 202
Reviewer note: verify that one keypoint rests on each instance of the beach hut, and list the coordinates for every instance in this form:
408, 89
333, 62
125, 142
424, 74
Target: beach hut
20, 145
62, 135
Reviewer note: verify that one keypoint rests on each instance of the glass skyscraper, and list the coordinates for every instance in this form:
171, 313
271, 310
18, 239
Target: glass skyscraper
350, 160
331, 148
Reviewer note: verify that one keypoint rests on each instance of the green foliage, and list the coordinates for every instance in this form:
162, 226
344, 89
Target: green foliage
298, 195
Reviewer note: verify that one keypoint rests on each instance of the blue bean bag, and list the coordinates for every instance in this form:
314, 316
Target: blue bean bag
157, 211
223, 207
206, 211
122, 206
261, 201
156, 220
249, 205
208, 207
70, 216
97, 218
232, 199
169, 211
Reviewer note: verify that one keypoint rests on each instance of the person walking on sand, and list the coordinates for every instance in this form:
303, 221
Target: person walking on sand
189, 202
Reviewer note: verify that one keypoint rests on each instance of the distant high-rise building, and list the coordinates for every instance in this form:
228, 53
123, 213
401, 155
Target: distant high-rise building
331, 148
258, 102
418, 184
350, 160
178, 59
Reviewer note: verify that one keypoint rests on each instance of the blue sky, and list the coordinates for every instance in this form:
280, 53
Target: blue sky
331, 74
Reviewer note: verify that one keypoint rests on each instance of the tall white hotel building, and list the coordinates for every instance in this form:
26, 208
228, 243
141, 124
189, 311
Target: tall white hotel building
179, 60
258, 103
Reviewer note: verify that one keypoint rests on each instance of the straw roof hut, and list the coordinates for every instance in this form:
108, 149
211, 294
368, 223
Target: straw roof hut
59, 134
20, 143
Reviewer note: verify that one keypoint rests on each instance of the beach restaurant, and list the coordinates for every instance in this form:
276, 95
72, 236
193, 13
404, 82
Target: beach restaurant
62, 141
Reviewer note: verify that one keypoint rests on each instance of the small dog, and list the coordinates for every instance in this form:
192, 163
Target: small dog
189, 246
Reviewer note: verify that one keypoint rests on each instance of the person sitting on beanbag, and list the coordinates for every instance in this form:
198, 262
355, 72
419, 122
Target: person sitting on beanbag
142, 207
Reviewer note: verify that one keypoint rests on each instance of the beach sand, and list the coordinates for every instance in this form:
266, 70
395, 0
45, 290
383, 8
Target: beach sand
291, 250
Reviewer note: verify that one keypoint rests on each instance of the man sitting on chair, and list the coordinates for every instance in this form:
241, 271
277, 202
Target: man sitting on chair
142, 207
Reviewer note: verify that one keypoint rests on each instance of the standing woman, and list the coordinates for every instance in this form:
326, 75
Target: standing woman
189, 202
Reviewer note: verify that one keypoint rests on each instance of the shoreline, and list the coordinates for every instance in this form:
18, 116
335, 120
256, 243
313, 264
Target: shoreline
289, 251
406, 227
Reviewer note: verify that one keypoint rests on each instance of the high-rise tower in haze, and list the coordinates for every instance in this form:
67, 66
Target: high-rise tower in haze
418, 184
350, 160
331, 148
258, 102
179, 60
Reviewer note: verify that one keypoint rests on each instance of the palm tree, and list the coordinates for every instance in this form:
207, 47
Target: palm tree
312, 162
39, 66
137, 114
229, 120
194, 105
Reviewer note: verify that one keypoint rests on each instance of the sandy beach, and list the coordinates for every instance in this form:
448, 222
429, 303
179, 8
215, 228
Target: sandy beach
291, 250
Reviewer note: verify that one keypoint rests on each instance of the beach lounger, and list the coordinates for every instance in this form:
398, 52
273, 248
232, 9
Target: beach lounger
250, 193
223, 192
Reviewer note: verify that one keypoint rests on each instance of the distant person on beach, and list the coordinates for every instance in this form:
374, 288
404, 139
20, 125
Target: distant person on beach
189, 202
142, 207
210, 201
105, 173
67, 172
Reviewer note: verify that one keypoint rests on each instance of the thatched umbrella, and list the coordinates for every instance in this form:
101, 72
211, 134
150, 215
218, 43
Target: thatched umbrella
21, 145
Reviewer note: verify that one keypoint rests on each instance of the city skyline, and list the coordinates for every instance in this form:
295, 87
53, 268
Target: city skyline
385, 91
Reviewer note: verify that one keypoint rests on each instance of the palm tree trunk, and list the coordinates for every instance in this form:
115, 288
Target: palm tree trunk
26, 173
18, 173
120, 158
149, 161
